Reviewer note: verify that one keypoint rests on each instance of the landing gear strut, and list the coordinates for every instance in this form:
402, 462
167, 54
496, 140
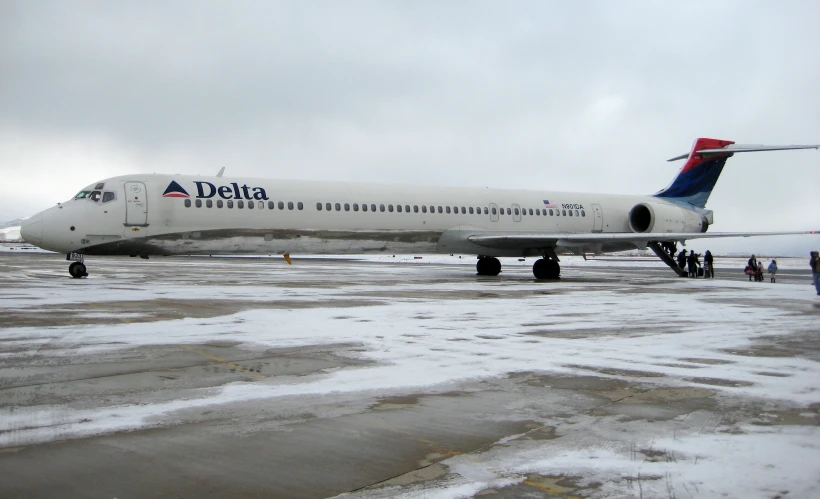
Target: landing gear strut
546, 268
488, 266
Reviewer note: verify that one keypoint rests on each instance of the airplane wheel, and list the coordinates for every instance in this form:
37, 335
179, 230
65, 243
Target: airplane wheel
546, 269
77, 270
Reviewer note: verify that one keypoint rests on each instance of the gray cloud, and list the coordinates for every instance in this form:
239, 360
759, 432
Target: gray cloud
582, 96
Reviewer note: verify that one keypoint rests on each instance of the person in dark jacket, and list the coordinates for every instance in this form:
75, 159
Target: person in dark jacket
708, 264
693, 263
815, 270
682, 259
753, 267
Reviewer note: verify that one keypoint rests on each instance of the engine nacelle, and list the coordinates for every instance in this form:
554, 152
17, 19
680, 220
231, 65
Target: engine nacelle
658, 217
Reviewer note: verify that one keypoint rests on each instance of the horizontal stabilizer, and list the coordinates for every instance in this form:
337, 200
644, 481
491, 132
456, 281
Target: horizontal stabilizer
733, 148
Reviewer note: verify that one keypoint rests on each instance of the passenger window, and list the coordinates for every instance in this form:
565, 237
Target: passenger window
219, 203
485, 210
230, 204
447, 209
432, 209
347, 206
338, 207
355, 207
290, 205
271, 205
464, 210
364, 206
550, 212
109, 196
516, 211
239, 204
407, 208
530, 211
300, 206
250, 205
187, 203
209, 203
424, 208
493, 211
318, 206
398, 208
538, 211
280, 205
471, 210
390, 208
198, 203
583, 213
381, 208
440, 210
576, 213
373, 207
415, 208
509, 211
563, 213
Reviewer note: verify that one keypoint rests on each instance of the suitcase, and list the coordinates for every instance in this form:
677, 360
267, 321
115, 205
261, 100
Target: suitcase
700, 271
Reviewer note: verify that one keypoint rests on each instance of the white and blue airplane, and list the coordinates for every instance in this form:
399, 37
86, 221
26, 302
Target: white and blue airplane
153, 214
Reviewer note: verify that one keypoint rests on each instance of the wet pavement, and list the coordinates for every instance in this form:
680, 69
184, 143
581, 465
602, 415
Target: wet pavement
192, 377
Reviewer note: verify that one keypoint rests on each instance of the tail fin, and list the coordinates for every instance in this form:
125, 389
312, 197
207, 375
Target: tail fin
699, 175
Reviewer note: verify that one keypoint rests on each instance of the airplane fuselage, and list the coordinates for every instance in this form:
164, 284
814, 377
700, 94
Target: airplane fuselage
153, 214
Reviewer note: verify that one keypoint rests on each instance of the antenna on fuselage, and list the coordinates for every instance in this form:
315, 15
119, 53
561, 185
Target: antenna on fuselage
221, 171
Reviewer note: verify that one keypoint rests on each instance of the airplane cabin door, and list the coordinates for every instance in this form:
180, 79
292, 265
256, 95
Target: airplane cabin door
598, 222
493, 212
136, 204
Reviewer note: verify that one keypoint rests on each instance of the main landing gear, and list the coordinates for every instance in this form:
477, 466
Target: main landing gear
488, 266
546, 268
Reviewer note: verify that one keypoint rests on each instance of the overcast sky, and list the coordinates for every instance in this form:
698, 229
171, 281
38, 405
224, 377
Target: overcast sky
575, 96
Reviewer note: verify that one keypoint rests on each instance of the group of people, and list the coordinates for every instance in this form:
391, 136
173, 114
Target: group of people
692, 263
754, 269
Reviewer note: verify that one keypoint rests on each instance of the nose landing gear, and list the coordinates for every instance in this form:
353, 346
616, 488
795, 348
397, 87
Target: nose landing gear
77, 268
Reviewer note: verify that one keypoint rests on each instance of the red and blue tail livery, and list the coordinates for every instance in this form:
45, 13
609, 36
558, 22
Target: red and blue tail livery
698, 177
175, 190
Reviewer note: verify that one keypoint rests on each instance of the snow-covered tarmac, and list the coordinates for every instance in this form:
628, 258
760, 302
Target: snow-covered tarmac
395, 377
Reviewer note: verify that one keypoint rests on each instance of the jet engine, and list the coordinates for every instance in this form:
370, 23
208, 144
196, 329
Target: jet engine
658, 217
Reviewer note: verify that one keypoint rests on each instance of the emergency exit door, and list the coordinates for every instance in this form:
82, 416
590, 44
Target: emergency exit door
136, 204
598, 223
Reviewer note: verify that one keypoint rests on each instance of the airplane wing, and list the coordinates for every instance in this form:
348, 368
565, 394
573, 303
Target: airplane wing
524, 241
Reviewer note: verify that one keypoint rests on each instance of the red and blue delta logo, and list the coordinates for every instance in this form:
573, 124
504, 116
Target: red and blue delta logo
175, 190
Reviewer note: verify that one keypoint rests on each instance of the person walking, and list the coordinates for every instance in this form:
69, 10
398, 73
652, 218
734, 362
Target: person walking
751, 269
708, 264
815, 270
773, 271
759, 272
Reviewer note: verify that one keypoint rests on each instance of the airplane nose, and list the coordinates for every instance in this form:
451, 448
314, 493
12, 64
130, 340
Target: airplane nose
32, 229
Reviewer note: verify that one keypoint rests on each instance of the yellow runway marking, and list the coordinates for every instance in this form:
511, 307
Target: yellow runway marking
200, 352
225, 362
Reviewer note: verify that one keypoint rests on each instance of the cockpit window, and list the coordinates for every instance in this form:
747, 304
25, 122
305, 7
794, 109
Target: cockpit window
82, 195
109, 196
95, 196
99, 186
